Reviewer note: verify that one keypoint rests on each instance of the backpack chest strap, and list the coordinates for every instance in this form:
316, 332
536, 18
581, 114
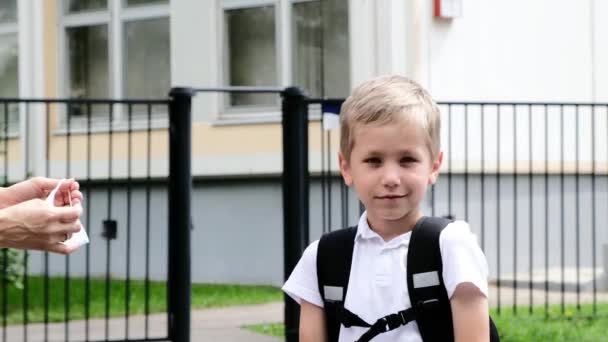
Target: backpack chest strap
382, 325
388, 323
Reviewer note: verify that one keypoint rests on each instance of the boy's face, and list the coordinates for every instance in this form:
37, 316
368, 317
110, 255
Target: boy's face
390, 167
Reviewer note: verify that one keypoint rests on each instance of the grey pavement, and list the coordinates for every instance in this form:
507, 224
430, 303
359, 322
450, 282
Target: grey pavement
226, 324
219, 324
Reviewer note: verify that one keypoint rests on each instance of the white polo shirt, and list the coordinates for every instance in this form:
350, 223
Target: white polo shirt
378, 286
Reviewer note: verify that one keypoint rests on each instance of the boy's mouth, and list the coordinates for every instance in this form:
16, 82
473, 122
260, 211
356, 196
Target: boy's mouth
389, 197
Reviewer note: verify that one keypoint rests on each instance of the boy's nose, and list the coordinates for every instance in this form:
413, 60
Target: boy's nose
390, 178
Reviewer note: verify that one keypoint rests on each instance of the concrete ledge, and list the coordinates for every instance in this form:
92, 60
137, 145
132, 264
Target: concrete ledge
553, 278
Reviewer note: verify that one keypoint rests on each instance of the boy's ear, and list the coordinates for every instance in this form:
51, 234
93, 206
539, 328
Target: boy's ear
345, 169
435, 168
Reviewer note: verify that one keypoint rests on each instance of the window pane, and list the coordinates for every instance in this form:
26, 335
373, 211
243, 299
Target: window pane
9, 66
129, 3
88, 62
85, 5
321, 48
9, 78
251, 52
8, 11
147, 53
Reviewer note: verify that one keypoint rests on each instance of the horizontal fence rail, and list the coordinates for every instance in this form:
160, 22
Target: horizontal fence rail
530, 178
105, 145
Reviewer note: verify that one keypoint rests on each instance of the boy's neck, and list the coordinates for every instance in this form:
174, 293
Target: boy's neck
390, 229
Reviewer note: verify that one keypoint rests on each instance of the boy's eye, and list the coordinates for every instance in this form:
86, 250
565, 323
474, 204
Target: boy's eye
406, 160
372, 160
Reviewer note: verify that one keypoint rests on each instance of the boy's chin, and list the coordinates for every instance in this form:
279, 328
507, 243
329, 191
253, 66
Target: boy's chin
396, 215
392, 215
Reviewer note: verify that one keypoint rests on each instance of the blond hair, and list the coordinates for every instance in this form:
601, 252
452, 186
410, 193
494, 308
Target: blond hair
386, 100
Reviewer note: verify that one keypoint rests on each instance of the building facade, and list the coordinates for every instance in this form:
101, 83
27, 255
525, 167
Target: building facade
547, 51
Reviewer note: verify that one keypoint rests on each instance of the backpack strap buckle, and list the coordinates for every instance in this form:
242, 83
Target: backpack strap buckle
392, 321
403, 317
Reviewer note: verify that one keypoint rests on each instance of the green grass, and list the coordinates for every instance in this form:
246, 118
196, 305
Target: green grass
572, 325
525, 327
203, 296
272, 329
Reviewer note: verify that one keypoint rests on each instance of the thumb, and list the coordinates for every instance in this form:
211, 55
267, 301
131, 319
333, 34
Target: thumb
45, 183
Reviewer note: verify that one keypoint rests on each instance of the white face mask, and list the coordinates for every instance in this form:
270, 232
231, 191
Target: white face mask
79, 239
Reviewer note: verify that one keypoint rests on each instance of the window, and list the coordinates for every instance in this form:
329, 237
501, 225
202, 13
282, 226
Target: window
320, 47
317, 56
9, 64
8, 12
88, 62
146, 48
115, 49
74, 6
251, 52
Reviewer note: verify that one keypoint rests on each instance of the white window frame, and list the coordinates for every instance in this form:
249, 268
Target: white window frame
284, 55
115, 16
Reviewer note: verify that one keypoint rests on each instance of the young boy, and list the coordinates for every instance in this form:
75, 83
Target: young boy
390, 154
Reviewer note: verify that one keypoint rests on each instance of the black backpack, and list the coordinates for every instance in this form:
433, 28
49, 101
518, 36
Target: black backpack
430, 303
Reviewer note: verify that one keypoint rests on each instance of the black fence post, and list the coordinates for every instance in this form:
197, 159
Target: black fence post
295, 193
180, 188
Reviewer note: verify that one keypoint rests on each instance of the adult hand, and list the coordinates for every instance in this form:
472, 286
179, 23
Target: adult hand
41, 187
33, 224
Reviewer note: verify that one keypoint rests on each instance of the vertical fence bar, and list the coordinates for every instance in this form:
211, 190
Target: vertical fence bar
46, 254
129, 160
344, 204
147, 256
466, 163
562, 208
4, 293
180, 190
66, 293
433, 186
433, 199
295, 193
530, 211
329, 182
593, 211
593, 205
577, 214
109, 217
4, 250
546, 121
498, 207
483, 178
450, 157
515, 213
325, 229
25, 252
87, 281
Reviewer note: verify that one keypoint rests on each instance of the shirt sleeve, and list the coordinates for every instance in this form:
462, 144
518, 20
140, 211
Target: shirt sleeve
463, 260
302, 283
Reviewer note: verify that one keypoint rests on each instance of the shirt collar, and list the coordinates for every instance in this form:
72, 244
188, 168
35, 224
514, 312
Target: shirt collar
364, 232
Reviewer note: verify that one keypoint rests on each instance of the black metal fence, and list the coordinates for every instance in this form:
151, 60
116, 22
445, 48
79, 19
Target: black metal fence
112, 148
530, 178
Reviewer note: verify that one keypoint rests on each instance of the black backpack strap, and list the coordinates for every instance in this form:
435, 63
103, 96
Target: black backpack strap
334, 258
425, 285
427, 291
388, 323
